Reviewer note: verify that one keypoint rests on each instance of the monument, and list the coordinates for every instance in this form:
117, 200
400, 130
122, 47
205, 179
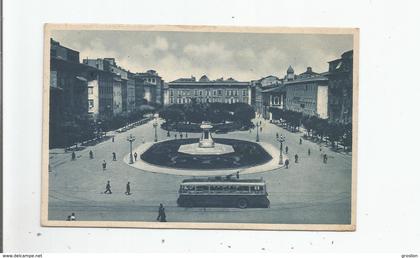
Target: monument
206, 144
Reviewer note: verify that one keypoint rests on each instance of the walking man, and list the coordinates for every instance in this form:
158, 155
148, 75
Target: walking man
296, 158
287, 149
72, 216
73, 156
113, 138
161, 214
114, 156
325, 158
135, 156
108, 188
286, 162
104, 165
127, 191
300, 141
309, 152
91, 154
277, 135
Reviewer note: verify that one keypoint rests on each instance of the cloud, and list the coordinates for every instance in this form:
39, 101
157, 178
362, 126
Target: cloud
243, 56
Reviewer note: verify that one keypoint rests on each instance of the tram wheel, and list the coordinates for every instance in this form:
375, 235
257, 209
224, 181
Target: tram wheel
242, 203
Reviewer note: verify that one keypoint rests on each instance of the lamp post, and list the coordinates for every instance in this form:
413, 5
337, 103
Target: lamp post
131, 139
281, 140
155, 125
258, 136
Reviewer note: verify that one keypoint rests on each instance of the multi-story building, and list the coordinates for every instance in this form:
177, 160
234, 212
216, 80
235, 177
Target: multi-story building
151, 86
340, 92
307, 93
111, 81
185, 90
131, 93
68, 93
101, 95
261, 98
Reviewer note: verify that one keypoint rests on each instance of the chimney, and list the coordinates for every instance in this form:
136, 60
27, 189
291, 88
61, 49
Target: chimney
309, 69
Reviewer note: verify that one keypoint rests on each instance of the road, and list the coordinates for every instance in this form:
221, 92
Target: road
308, 192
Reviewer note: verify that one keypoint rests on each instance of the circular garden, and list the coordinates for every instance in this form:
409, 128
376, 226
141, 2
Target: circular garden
166, 154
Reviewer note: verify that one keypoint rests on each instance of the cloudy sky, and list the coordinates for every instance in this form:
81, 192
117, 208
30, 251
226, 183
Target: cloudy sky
243, 56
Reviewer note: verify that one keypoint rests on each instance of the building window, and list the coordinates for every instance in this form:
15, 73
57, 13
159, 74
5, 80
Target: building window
201, 93
244, 92
90, 102
90, 90
171, 92
219, 92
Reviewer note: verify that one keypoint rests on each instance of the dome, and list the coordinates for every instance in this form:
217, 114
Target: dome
290, 69
204, 78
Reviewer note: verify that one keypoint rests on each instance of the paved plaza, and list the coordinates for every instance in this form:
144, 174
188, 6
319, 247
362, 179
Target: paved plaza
308, 192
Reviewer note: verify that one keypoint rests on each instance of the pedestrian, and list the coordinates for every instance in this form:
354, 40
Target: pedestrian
186, 135
73, 156
127, 191
180, 135
161, 214
309, 152
260, 128
108, 188
300, 141
286, 162
168, 134
277, 135
114, 156
91, 154
237, 175
113, 138
325, 158
287, 149
176, 136
135, 156
68, 218
104, 165
296, 158
73, 217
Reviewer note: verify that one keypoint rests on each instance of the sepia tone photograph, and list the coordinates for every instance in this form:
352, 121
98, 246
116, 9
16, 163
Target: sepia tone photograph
200, 127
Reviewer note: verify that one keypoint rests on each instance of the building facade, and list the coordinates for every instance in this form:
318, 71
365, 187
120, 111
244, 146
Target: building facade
186, 90
340, 94
307, 93
68, 94
262, 97
151, 86
131, 93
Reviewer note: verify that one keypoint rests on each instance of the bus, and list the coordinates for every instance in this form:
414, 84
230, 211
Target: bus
223, 192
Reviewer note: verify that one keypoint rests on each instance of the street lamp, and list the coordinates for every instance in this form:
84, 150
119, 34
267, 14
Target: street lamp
131, 139
258, 136
155, 125
281, 140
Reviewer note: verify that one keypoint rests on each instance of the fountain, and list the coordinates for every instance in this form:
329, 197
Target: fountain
206, 144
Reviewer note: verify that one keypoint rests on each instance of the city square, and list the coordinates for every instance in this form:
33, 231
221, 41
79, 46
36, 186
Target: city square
308, 192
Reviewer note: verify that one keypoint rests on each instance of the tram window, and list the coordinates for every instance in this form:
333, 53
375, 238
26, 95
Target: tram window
216, 189
243, 189
202, 188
